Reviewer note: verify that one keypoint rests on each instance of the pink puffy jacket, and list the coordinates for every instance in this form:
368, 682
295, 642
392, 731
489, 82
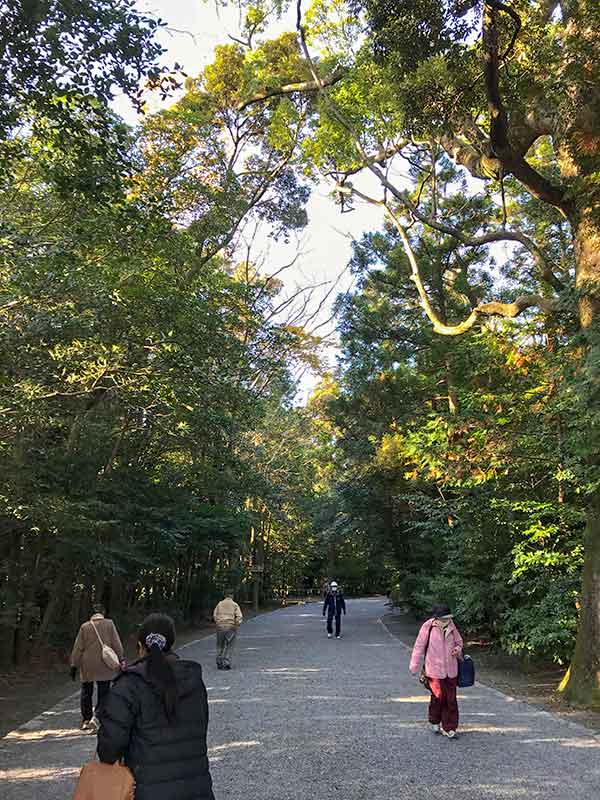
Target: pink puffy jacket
441, 660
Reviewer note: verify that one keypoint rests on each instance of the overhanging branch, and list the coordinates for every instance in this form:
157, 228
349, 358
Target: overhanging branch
491, 309
509, 310
545, 269
302, 87
494, 308
403, 197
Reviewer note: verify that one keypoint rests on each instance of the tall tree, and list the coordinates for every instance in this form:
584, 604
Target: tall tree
136, 353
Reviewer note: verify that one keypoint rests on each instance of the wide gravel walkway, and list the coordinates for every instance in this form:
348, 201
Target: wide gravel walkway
305, 718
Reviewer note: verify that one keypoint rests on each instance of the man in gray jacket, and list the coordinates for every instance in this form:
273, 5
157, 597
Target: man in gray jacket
228, 618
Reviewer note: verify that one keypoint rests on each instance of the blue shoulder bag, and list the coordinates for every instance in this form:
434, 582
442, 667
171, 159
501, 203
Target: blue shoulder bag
466, 672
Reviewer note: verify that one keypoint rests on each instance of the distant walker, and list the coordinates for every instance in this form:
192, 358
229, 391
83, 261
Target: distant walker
228, 618
334, 605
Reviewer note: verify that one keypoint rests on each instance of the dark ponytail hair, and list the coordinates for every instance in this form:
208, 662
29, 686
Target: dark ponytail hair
159, 670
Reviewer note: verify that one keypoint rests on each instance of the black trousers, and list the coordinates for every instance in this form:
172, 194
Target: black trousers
87, 693
338, 623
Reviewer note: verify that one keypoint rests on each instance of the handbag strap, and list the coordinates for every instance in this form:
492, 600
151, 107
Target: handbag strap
427, 645
97, 634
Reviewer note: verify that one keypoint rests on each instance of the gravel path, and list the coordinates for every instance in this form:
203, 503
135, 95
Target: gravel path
304, 718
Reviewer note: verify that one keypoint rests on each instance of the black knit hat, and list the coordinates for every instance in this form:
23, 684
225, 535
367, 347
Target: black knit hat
440, 610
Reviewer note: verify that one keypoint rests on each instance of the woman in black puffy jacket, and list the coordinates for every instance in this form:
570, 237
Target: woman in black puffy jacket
155, 718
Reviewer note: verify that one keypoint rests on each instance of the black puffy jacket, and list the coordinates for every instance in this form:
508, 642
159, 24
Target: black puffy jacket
169, 760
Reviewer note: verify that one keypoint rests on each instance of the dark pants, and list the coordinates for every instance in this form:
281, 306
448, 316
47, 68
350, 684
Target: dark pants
443, 707
338, 623
87, 693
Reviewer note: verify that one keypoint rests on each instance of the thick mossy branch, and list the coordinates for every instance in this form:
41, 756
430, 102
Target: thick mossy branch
512, 159
487, 309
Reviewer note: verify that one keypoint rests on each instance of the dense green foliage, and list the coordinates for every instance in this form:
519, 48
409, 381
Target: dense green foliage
146, 364
56, 53
454, 462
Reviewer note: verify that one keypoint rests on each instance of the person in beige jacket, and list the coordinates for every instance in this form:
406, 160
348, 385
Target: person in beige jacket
228, 618
87, 658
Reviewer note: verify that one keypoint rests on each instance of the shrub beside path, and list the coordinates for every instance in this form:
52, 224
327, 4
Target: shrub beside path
302, 716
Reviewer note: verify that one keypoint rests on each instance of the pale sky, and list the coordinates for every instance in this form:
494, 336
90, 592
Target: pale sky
193, 29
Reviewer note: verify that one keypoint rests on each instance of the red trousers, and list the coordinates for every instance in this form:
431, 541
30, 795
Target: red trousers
443, 707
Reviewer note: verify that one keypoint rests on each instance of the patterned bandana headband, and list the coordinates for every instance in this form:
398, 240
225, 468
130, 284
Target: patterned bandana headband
156, 639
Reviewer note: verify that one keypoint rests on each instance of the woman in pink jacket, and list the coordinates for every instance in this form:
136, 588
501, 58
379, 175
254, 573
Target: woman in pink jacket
440, 644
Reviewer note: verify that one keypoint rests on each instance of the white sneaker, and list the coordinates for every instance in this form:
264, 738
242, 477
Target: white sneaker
330, 635
449, 734
339, 637
434, 728
94, 725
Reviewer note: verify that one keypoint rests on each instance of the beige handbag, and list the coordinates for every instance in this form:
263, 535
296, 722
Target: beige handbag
99, 781
109, 657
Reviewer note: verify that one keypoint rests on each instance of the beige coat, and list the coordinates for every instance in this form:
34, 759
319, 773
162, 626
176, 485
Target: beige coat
228, 614
87, 652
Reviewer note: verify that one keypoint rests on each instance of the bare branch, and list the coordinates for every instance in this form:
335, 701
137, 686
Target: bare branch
170, 29
288, 301
269, 278
243, 42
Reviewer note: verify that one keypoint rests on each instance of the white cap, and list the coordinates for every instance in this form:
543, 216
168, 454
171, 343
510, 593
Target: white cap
333, 585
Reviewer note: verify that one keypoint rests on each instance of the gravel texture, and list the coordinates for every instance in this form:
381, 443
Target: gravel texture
301, 716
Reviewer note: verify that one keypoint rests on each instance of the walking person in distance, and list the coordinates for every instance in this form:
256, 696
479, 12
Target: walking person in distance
334, 605
87, 657
439, 646
155, 719
228, 618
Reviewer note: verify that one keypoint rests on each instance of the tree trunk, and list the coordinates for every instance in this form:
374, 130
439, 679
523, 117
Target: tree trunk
116, 597
331, 560
587, 255
29, 584
582, 683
